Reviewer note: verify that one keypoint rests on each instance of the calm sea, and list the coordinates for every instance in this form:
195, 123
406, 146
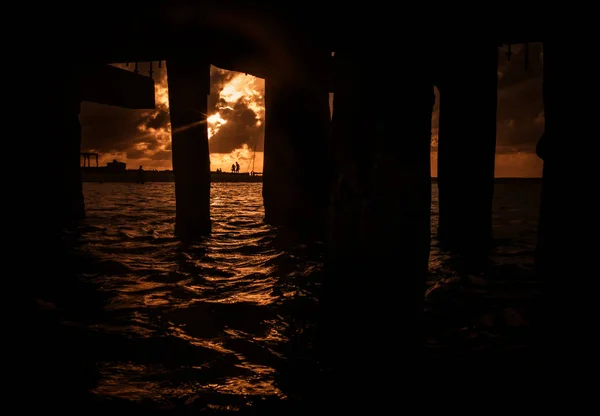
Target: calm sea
214, 326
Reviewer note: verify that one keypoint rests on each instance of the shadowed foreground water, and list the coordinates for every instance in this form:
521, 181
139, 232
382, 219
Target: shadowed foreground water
220, 325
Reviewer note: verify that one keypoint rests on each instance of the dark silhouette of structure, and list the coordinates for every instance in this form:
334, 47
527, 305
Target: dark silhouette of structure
370, 192
116, 166
87, 159
141, 175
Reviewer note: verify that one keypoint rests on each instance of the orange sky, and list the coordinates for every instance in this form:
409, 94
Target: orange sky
236, 123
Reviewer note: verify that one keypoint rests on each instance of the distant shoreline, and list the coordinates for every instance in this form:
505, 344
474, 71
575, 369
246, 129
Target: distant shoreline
507, 179
90, 175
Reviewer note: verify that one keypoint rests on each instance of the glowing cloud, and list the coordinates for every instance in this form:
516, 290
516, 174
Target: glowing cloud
215, 122
240, 105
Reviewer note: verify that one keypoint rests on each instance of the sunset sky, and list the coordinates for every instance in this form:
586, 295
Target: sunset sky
236, 120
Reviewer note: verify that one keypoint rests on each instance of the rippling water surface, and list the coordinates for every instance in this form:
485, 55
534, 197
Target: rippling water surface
214, 324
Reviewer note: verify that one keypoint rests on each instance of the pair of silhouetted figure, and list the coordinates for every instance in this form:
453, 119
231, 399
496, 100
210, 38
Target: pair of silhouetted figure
235, 168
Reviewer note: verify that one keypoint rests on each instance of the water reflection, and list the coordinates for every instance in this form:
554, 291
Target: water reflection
207, 318
230, 322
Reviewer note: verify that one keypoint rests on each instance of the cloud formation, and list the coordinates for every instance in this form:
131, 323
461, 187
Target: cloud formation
239, 99
143, 137
139, 137
236, 120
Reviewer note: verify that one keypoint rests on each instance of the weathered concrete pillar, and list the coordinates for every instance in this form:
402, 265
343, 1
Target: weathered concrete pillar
379, 230
296, 164
189, 86
468, 86
568, 225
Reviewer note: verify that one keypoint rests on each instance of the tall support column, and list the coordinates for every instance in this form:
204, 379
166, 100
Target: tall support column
568, 225
297, 132
379, 229
189, 86
467, 145
61, 149
72, 172
51, 135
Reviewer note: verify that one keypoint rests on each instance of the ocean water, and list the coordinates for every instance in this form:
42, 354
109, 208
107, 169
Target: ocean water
213, 326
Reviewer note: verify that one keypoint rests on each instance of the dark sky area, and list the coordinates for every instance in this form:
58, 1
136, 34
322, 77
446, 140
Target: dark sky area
142, 137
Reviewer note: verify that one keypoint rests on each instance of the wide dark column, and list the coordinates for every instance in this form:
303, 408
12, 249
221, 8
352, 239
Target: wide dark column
45, 176
60, 147
297, 131
189, 86
379, 230
468, 86
568, 225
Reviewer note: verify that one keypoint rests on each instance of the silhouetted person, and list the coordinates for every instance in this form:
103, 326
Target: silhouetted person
237, 167
141, 174
540, 148
233, 168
